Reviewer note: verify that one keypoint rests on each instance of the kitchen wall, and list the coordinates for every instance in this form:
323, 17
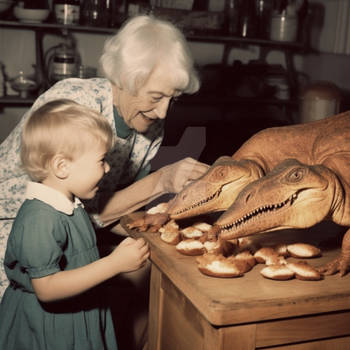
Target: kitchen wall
17, 52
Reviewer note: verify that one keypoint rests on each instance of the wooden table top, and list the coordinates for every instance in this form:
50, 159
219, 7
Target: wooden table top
253, 298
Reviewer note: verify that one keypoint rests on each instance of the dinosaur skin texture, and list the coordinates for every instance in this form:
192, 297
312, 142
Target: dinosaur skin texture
321, 142
293, 195
303, 180
321, 152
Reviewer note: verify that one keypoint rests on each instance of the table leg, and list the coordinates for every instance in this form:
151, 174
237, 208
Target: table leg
155, 312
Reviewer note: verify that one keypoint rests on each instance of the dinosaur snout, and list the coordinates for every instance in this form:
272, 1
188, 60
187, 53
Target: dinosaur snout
248, 195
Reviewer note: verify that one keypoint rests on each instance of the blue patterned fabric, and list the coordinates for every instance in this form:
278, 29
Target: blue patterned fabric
129, 159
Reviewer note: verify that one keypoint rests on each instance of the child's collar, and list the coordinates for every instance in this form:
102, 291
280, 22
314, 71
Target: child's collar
51, 197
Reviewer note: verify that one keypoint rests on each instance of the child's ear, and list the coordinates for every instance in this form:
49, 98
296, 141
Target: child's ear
60, 166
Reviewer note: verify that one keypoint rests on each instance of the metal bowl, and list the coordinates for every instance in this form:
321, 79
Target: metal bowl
30, 15
23, 85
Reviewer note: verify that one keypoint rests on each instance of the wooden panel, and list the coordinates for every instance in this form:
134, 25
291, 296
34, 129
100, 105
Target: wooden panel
329, 344
181, 323
238, 337
184, 328
155, 309
302, 329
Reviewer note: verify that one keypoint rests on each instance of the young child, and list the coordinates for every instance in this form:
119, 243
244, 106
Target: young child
52, 261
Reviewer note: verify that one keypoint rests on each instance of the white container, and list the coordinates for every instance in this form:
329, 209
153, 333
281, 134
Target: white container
30, 15
284, 28
319, 100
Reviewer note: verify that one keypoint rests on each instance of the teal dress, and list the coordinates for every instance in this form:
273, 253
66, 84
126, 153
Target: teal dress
51, 234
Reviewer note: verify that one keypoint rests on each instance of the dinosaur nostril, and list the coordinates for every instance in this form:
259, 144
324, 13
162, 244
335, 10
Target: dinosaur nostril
248, 196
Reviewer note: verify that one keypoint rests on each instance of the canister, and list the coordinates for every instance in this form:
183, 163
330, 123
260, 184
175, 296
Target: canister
284, 27
319, 100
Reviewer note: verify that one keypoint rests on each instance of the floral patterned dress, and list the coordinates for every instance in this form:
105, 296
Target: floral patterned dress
129, 160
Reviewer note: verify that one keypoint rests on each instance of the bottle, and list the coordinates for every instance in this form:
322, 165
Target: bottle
231, 19
263, 14
63, 61
67, 11
95, 13
247, 19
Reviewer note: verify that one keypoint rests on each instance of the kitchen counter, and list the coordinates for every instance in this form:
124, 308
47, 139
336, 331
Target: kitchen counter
189, 310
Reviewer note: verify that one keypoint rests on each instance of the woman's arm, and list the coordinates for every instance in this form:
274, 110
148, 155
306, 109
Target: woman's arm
169, 179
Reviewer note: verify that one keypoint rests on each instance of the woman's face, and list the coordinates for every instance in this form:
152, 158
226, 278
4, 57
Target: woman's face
150, 103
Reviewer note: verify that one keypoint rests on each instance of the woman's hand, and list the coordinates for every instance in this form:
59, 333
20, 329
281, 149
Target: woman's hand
130, 254
177, 175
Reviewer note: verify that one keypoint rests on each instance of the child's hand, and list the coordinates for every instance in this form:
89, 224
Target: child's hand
130, 254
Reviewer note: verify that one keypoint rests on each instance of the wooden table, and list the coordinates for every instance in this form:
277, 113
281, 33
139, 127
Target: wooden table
191, 311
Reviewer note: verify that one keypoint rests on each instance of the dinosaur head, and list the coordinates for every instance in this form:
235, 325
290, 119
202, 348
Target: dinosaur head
293, 195
216, 189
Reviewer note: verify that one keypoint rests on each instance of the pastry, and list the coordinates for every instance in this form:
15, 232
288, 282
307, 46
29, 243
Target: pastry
203, 226
218, 266
303, 250
191, 232
220, 246
169, 237
304, 271
190, 247
160, 208
277, 272
281, 249
246, 256
265, 254
170, 233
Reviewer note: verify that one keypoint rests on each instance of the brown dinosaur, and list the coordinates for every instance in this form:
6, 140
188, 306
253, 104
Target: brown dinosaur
216, 190
297, 195
309, 143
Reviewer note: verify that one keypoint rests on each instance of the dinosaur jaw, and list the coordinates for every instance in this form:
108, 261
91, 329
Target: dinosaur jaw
268, 217
293, 195
220, 198
216, 190
205, 205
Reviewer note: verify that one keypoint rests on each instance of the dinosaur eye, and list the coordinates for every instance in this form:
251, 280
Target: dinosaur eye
296, 175
220, 172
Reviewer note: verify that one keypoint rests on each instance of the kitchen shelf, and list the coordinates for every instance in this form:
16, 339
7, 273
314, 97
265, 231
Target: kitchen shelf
11, 100
191, 36
288, 48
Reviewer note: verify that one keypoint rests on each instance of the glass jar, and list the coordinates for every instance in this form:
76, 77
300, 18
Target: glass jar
284, 27
231, 16
95, 13
319, 100
247, 19
263, 15
67, 11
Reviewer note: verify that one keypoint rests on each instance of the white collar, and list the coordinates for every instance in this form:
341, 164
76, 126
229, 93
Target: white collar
51, 197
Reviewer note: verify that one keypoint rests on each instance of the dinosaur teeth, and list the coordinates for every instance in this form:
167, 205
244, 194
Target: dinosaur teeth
198, 204
258, 211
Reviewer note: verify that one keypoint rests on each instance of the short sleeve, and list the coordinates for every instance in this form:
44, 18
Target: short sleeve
39, 240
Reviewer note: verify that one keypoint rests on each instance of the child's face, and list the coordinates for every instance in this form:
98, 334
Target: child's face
86, 171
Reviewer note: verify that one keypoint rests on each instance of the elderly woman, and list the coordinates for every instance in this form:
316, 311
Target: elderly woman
147, 64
